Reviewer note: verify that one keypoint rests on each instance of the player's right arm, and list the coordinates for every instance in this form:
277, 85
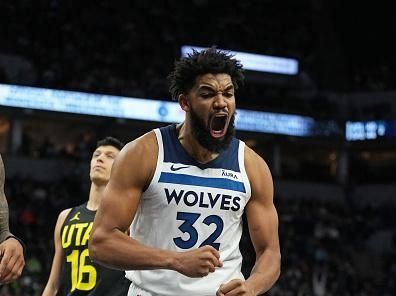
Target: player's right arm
12, 258
51, 289
132, 171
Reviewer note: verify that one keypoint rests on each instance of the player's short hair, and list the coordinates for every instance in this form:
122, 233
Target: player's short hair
110, 141
211, 60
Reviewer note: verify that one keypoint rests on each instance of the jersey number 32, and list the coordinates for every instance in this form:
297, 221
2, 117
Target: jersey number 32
188, 227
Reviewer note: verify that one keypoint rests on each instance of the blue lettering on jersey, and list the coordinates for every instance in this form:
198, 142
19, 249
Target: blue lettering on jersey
188, 227
225, 202
213, 200
203, 199
174, 195
228, 174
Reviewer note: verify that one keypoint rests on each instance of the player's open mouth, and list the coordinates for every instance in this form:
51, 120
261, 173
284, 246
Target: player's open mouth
218, 125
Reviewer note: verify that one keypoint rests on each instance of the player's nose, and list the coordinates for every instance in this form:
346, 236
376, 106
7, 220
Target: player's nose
220, 102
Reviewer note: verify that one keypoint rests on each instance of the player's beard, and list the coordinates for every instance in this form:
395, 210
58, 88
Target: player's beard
202, 135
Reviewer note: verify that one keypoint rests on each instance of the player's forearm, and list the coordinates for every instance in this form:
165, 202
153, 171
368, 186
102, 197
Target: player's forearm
50, 290
265, 272
4, 216
119, 251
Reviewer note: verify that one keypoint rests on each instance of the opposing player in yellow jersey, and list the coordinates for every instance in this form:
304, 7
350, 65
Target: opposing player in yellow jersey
73, 272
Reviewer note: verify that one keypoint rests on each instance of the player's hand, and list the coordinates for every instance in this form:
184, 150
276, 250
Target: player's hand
235, 287
198, 262
12, 260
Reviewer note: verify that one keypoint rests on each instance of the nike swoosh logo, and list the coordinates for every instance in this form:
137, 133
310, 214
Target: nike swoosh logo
174, 168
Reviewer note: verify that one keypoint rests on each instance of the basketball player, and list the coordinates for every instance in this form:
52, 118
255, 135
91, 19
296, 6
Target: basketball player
185, 187
11, 248
73, 272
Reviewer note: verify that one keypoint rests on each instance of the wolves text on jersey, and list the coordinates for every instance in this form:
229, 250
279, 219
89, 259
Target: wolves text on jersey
203, 199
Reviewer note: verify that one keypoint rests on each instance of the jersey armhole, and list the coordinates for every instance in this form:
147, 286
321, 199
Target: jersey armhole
68, 215
241, 160
160, 159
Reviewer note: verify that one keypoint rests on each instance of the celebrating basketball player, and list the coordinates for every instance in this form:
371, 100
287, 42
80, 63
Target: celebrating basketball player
185, 188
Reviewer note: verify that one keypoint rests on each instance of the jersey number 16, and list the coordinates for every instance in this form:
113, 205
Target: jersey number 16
83, 276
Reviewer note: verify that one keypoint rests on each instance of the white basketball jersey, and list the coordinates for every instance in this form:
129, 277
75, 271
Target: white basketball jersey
188, 205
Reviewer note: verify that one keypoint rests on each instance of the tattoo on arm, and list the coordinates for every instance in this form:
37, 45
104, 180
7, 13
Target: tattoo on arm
4, 213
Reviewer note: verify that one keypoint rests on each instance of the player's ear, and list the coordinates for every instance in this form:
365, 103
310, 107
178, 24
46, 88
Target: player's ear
184, 103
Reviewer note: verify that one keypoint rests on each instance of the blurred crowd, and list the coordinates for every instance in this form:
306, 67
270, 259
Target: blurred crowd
128, 48
327, 248
333, 249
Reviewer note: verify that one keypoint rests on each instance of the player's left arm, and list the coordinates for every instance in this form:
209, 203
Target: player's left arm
11, 250
263, 223
263, 228
4, 214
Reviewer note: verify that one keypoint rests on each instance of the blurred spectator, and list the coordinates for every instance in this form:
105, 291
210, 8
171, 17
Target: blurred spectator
323, 244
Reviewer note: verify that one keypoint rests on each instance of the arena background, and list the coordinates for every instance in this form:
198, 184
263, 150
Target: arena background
334, 188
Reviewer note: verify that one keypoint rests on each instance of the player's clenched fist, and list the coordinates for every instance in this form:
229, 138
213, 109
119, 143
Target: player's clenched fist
198, 262
235, 287
12, 260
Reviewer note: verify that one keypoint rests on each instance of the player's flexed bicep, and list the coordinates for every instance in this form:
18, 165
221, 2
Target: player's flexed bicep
263, 228
129, 177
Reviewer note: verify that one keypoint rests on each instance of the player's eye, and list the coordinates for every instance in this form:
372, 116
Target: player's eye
206, 95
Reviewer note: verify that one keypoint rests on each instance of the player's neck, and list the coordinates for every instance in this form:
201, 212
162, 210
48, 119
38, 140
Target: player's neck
95, 196
192, 146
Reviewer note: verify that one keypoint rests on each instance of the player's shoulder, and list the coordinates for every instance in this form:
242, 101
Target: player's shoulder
63, 214
148, 141
141, 152
251, 155
253, 161
61, 219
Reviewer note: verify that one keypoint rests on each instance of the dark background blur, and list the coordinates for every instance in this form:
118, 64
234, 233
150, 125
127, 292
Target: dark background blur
335, 198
